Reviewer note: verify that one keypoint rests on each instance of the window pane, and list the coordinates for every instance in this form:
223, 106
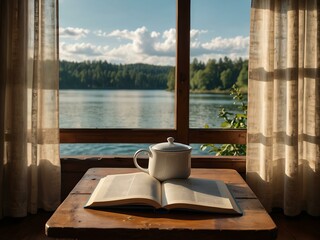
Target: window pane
111, 149
116, 58
100, 149
116, 109
219, 41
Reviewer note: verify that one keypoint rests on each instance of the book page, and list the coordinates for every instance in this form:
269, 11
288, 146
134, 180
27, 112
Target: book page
198, 194
133, 188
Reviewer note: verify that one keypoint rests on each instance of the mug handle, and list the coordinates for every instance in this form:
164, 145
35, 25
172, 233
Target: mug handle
135, 157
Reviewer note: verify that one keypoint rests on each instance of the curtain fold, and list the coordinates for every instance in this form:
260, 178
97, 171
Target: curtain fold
283, 148
29, 120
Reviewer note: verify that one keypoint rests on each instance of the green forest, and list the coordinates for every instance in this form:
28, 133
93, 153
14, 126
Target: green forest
214, 75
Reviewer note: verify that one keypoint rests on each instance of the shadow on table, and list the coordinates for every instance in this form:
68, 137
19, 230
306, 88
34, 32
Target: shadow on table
179, 214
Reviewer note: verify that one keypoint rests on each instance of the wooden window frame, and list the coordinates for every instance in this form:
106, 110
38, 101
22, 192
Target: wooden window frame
181, 132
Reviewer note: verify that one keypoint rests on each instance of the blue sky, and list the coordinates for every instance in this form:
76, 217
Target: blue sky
132, 31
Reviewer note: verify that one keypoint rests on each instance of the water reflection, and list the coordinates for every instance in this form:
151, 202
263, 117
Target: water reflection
136, 109
132, 109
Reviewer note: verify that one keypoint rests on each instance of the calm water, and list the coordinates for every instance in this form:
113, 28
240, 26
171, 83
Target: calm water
132, 109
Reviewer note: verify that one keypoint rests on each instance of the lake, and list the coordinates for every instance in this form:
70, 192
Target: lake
132, 109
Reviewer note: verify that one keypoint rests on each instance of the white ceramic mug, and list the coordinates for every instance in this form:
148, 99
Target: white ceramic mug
167, 160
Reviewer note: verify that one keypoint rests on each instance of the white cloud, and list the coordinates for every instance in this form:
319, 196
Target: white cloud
71, 32
227, 44
142, 45
81, 51
219, 47
142, 40
194, 37
168, 45
100, 33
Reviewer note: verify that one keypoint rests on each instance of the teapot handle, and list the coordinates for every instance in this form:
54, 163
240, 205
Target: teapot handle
135, 157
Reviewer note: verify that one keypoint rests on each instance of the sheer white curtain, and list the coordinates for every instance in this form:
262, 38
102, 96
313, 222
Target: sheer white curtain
283, 155
29, 130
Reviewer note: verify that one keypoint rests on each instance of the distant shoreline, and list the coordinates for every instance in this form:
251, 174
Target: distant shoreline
213, 91
216, 91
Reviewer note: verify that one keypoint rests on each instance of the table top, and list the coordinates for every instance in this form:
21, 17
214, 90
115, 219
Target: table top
72, 220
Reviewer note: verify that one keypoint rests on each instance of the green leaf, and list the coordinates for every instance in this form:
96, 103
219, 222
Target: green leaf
225, 125
236, 121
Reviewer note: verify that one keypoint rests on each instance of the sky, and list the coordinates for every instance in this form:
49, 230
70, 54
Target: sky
143, 31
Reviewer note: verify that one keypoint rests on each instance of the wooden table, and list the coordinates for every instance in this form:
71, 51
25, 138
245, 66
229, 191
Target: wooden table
71, 220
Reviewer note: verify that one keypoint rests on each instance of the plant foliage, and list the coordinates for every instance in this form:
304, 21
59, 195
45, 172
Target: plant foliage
234, 121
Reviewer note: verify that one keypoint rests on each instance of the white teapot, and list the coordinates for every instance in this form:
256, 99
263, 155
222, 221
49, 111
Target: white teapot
167, 160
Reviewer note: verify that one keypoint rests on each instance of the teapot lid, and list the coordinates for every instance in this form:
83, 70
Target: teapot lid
171, 146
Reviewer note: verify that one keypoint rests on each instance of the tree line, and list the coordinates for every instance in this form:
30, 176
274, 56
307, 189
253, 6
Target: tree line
221, 74
215, 75
104, 75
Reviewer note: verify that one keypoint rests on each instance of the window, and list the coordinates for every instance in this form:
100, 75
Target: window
180, 129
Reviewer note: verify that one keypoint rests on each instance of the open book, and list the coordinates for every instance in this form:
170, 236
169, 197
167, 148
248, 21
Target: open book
143, 190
